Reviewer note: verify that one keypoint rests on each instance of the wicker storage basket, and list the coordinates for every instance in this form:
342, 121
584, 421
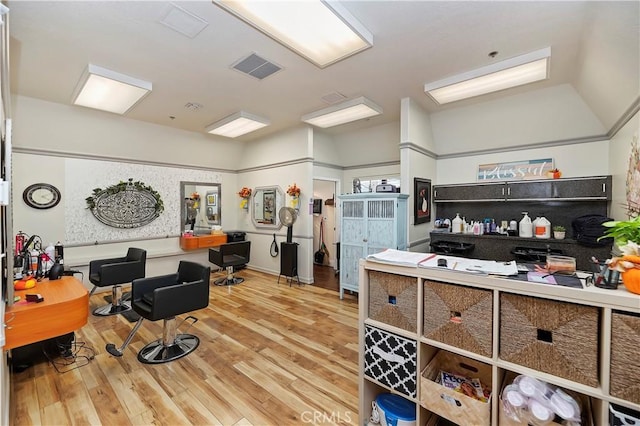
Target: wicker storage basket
625, 359
459, 316
393, 300
448, 403
555, 337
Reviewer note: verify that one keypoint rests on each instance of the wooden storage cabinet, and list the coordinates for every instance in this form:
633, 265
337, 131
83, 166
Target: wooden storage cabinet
369, 223
584, 341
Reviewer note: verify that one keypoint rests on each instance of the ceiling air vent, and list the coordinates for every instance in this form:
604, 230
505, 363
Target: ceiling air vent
255, 66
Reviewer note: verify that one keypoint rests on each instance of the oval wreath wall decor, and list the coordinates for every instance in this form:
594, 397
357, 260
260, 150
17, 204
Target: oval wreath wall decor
126, 204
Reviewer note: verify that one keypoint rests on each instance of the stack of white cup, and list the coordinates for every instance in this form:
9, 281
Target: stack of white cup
529, 400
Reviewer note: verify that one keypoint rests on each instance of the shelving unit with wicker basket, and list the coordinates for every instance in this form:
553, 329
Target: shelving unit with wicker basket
583, 340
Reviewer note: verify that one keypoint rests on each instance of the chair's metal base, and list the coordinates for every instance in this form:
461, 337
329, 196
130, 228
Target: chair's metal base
111, 309
158, 352
117, 305
228, 281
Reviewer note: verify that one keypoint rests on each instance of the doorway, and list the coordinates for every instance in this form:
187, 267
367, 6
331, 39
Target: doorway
325, 273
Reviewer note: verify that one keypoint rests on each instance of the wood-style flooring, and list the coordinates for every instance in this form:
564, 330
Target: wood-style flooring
269, 354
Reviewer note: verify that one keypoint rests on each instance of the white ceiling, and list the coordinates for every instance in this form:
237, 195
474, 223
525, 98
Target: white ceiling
595, 48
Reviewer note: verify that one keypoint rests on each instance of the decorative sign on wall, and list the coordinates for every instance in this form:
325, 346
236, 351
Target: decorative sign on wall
125, 205
516, 170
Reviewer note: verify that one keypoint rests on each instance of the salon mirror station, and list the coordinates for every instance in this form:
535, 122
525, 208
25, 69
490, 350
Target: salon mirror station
200, 211
266, 201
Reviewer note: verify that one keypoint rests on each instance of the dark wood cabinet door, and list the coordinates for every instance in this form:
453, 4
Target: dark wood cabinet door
473, 192
594, 188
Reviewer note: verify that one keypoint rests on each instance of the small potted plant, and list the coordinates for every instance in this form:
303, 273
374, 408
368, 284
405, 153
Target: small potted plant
559, 232
626, 237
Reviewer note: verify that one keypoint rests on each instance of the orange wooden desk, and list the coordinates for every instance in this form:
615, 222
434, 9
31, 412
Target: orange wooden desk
65, 309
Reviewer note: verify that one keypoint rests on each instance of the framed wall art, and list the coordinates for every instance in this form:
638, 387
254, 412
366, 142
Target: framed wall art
212, 200
422, 200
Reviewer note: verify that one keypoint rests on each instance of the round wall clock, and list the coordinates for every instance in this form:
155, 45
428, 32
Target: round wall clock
41, 196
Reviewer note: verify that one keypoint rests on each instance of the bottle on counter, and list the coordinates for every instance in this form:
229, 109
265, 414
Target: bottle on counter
59, 252
525, 228
50, 257
543, 228
456, 224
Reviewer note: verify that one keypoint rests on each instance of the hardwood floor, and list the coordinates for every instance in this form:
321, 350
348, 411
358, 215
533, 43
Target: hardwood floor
325, 276
269, 354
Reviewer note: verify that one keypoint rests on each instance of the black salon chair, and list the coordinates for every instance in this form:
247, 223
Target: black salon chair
163, 298
227, 256
115, 272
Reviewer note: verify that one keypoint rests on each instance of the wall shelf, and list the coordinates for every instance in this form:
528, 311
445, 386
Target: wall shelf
202, 241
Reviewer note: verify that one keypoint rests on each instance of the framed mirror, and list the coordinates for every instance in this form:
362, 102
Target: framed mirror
200, 206
266, 201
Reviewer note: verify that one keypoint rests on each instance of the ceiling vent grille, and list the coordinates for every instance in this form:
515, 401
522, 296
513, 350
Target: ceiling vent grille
256, 67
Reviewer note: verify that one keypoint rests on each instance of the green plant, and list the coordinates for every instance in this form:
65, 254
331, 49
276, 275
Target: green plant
623, 231
559, 228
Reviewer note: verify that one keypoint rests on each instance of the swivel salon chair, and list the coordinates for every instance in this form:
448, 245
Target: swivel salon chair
229, 255
163, 298
115, 272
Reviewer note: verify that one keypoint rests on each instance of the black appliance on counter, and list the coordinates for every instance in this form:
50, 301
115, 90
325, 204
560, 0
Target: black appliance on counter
453, 248
533, 254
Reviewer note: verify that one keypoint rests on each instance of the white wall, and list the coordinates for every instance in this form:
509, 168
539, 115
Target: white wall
368, 146
280, 160
551, 114
47, 135
57, 128
611, 49
576, 160
416, 163
619, 152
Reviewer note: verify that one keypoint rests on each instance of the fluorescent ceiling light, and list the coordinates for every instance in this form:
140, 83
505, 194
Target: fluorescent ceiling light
501, 75
237, 124
345, 112
108, 90
322, 32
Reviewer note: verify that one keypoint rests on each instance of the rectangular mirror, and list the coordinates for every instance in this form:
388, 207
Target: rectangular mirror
200, 207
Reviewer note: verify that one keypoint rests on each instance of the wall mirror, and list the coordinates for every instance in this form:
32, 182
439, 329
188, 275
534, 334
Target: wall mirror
200, 206
266, 201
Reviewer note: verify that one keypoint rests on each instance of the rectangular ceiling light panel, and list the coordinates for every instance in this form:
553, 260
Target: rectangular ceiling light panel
237, 124
107, 90
345, 112
502, 75
321, 32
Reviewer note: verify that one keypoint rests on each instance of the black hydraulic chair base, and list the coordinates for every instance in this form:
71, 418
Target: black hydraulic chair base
228, 281
111, 309
157, 352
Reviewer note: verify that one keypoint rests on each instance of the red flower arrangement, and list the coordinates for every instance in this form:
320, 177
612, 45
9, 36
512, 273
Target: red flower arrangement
293, 190
245, 192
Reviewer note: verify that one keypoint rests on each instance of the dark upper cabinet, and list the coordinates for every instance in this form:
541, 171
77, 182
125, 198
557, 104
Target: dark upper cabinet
591, 188
472, 192
587, 188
